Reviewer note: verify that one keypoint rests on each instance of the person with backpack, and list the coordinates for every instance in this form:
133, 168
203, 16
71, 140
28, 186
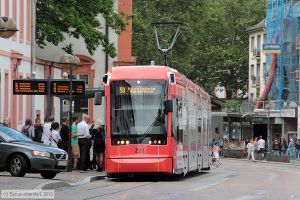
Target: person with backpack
276, 147
28, 129
38, 131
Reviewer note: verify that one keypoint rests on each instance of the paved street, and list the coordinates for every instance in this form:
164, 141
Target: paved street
33, 181
233, 180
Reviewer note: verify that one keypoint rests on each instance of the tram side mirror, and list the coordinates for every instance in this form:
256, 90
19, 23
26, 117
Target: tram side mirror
168, 106
98, 98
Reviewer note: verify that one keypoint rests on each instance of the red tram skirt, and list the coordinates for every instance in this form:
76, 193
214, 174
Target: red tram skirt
139, 165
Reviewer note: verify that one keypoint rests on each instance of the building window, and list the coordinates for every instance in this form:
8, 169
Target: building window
265, 39
258, 44
85, 78
252, 74
258, 74
252, 44
251, 97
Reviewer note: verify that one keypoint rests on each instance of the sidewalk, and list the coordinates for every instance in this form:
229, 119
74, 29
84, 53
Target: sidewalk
296, 163
35, 181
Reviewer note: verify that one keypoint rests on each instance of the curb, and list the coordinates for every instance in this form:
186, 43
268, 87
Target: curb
51, 185
264, 161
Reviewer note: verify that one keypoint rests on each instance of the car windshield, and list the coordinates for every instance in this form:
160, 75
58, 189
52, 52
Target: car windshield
137, 107
11, 135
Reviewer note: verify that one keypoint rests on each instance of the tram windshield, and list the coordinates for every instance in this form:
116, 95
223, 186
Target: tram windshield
137, 108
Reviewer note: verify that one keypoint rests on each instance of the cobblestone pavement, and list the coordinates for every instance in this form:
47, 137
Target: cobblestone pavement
31, 181
233, 180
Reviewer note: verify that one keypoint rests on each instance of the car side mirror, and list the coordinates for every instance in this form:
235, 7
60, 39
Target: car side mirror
98, 98
168, 106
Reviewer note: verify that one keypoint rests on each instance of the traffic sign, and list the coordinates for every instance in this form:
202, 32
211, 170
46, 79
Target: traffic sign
62, 87
30, 87
272, 48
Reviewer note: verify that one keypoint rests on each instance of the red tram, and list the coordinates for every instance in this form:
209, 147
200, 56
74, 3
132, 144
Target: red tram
158, 121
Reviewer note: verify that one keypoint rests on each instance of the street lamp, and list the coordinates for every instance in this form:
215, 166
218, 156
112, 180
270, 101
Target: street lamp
8, 27
69, 62
268, 107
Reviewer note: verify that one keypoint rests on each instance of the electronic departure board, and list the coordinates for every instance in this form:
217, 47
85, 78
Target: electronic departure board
62, 87
30, 87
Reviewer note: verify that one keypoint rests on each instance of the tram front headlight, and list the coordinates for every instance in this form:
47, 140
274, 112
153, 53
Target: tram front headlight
127, 142
122, 142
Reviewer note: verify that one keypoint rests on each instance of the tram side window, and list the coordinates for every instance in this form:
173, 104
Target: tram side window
175, 119
177, 116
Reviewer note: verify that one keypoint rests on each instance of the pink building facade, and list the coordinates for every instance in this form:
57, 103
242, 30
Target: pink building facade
15, 62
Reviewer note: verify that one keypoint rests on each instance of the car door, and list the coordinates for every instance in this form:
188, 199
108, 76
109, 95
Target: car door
2, 153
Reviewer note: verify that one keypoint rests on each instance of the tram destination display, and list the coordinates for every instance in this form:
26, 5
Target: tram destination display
30, 87
62, 87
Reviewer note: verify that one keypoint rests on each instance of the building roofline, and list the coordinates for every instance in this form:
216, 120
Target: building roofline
261, 26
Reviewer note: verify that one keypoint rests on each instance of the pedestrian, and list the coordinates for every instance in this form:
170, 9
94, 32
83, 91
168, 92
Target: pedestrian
297, 147
291, 149
65, 134
221, 143
74, 143
216, 151
47, 130
276, 147
255, 143
250, 149
6, 122
83, 142
28, 129
284, 147
38, 130
55, 139
213, 143
261, 147
92, 157
99, 143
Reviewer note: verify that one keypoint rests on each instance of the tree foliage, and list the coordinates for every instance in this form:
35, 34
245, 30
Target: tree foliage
58, 19
213, 45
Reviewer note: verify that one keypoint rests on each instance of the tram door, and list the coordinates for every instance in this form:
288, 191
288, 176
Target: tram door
186, 137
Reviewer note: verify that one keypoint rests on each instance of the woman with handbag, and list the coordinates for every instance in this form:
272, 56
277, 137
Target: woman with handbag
99, 144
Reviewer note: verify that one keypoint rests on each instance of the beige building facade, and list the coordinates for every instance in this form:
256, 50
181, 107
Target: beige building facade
257, 61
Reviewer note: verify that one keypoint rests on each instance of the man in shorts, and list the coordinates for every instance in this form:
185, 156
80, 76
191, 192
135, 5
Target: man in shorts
261, 147
74, 143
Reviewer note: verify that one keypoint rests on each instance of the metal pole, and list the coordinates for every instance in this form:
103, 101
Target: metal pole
49, 96
165, 59
70, 120
268, 132
106, 54
61, 109
32, 106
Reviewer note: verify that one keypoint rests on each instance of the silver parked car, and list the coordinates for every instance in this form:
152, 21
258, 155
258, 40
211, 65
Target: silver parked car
19, 155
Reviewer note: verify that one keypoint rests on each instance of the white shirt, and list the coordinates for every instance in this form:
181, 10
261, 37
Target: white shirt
250, 146
54, 136
261, 143
83, 129
46, 133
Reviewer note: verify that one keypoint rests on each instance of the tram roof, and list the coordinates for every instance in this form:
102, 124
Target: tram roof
141, 71
151, 72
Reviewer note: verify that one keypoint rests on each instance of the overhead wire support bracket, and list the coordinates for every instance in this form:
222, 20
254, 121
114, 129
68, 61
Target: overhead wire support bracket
165, 51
